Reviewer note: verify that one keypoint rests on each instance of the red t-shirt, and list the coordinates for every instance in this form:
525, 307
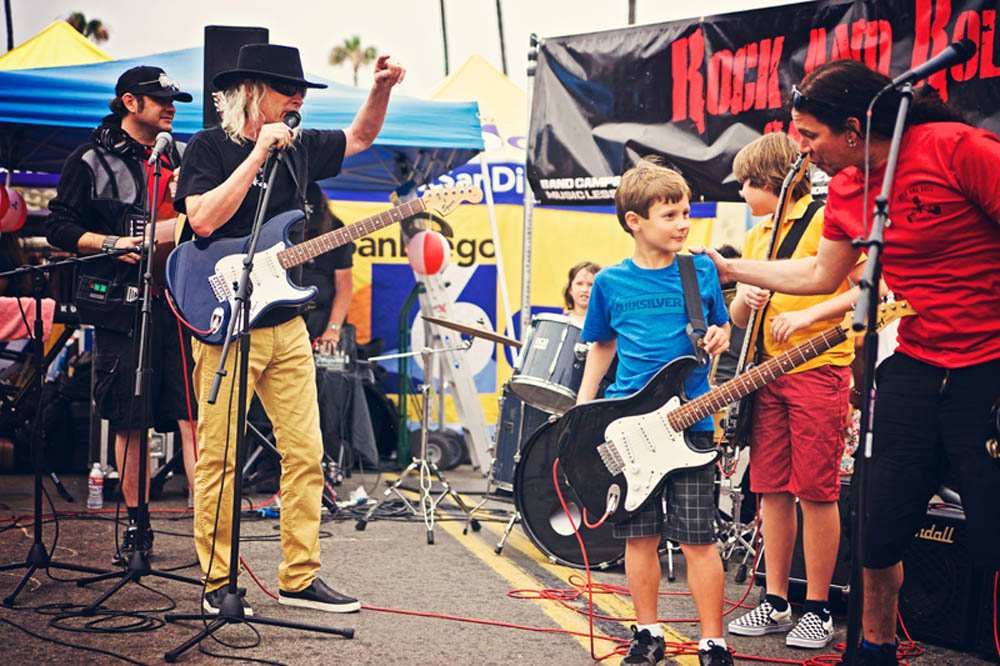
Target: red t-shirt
942, 247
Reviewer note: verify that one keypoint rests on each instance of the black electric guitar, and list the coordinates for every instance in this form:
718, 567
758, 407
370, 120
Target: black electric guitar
738, 419
615, 453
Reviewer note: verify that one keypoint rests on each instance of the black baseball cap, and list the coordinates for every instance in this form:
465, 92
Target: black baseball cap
151, 81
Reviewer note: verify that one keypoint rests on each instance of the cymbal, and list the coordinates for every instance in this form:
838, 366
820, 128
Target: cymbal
474, 331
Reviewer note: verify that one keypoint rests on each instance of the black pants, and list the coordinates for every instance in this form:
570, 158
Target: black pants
929, 422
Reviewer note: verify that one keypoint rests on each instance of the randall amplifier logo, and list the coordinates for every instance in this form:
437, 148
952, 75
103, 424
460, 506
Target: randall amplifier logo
942, 535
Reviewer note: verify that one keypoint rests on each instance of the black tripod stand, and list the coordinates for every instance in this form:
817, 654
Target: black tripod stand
231, 610
138, 561
38, 557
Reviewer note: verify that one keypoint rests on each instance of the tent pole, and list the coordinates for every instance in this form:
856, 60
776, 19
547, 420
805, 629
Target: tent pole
491, 211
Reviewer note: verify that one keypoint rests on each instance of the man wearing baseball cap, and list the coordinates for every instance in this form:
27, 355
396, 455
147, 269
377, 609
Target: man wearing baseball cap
101, 205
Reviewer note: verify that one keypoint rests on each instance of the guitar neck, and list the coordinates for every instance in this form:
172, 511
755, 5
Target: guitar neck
303, 252
746, 383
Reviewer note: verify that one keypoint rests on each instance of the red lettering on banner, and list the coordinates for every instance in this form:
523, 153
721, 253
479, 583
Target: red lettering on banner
750, 87
763, 75
774, 126
880, 39
929, 33
739, 68
986, 67
720, 81
687, 56
841, 44
967, 25
816, 55
773, 88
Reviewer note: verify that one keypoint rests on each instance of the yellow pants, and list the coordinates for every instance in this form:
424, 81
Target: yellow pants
284, 377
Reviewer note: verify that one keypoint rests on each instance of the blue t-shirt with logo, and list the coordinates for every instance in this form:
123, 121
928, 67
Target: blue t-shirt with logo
644, 309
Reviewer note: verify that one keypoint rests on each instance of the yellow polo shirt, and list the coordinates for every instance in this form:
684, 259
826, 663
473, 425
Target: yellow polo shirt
755, 246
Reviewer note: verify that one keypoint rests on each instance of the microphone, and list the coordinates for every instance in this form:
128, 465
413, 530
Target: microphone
293, 118
953, 54
163, 141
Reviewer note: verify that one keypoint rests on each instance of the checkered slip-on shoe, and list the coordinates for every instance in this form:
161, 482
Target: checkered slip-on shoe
811, 632
762, 620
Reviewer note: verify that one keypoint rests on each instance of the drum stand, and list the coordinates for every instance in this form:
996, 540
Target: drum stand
513, 518
424, 468
736, 536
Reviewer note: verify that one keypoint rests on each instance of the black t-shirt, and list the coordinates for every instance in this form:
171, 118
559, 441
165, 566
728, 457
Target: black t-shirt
211, 158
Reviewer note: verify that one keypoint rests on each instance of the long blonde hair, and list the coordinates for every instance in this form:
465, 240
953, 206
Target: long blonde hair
239, 105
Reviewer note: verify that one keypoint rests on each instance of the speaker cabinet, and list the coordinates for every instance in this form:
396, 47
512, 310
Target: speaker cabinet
222, 48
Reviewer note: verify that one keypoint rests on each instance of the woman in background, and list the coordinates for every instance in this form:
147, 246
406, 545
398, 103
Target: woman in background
576, 293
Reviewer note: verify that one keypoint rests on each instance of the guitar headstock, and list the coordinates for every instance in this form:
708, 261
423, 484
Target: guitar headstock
446, 199
887, 313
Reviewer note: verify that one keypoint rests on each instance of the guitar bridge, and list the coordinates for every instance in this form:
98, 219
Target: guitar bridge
611, 458
220, 287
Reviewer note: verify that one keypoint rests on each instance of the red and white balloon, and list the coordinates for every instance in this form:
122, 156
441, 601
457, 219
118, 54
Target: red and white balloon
428, 252
16, 213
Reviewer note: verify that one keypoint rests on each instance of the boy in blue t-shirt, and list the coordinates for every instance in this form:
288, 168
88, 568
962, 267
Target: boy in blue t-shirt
637, 310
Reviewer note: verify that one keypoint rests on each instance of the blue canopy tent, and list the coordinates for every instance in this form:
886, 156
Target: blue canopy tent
46, 113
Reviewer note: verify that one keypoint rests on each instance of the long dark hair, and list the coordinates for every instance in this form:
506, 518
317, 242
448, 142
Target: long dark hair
842, 89
588, 266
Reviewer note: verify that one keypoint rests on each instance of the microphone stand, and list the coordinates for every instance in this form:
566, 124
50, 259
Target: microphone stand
138, 562
866, 319
232, 611
38, 557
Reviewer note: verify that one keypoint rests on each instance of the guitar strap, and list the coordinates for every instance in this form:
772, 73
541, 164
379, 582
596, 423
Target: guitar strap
787, 249
696, 328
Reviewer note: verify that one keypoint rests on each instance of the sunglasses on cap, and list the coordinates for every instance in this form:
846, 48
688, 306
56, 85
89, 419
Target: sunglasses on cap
287, 89
164, 82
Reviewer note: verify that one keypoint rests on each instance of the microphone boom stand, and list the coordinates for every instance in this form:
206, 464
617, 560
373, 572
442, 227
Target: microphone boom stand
232, 611
138, 562
38, 557
866, 319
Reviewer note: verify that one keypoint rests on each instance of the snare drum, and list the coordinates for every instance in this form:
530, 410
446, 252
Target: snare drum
550, 368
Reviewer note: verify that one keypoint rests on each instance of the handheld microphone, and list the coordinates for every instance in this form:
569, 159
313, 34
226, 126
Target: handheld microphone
163, 141
953, 54
293, 118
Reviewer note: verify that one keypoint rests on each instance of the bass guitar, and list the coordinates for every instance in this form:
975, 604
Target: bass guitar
202, 274
738, 419
617, 452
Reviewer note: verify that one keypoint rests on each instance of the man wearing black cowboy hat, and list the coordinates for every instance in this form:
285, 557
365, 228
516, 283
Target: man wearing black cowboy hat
101, 205
219, 189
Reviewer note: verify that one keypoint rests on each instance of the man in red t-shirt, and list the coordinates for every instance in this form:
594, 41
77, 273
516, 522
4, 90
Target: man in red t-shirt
942, 254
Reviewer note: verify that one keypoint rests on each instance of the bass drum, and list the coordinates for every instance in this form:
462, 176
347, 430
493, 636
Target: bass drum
542, 515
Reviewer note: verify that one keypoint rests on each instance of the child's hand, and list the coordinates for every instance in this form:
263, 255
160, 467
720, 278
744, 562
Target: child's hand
754, 297
787, 323
716, 340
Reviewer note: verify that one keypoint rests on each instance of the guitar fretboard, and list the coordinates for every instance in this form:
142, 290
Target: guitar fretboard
746, 383
303, 252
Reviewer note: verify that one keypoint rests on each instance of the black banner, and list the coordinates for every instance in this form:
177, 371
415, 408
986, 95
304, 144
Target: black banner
697, 91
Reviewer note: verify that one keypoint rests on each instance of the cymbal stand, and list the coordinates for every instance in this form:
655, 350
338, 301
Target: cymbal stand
424, 469
736, 536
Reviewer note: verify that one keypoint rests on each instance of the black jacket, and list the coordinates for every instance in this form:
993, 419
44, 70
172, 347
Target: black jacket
101, 188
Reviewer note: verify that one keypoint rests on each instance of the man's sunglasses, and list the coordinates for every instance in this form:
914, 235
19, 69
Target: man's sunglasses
287, 89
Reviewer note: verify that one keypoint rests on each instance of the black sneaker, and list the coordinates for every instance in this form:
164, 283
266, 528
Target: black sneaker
645, 648
884, 656
129, 545
715, 655
212, 603
320, 596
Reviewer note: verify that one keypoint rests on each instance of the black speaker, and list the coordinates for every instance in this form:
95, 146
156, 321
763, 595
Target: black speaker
946, 599
222, 48
842, 572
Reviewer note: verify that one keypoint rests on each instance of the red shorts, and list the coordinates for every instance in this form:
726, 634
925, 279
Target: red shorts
798, 434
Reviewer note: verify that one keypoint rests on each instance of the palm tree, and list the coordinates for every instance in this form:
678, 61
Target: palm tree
94, 28
631, 12
444, 36
351, 51
503, 47
10, 25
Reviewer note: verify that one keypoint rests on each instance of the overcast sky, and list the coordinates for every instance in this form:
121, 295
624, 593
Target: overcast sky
410, 30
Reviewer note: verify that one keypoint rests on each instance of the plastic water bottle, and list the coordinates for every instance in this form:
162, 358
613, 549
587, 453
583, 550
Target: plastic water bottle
95, 488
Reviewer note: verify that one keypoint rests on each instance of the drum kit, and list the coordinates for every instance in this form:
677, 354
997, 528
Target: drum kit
546, 378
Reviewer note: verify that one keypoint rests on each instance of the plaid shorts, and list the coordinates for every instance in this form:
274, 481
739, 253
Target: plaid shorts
689, 495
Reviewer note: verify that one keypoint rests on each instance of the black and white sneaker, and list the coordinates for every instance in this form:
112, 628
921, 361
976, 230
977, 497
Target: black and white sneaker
320, 596
645, 648
762, 620
811, 632
212, 603
715, 655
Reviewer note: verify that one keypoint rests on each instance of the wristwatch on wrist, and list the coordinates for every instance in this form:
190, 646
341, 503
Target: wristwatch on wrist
108, 244
333, 327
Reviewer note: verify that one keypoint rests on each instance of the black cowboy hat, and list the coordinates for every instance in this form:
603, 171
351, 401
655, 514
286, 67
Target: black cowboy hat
268, 62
